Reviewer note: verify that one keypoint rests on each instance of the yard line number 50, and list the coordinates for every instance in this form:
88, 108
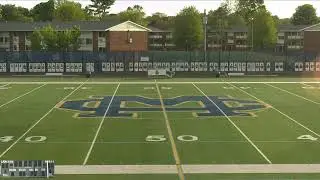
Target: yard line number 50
161, 138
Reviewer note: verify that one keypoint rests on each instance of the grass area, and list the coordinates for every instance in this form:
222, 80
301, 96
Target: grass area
188, 176
109, 124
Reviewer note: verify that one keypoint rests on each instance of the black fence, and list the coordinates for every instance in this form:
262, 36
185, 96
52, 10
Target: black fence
231, 61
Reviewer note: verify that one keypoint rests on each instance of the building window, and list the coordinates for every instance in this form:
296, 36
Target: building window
15, 48
28, 48
88, 41
28, 35
102, 49
102, 34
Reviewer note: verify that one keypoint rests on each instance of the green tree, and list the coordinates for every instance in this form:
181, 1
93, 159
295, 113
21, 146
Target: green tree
160, 20
285, 21
69, 11
111, 18
276, 19
43, 11
49, 39
135, 14
305, 15
36, 40
10, 12
264, 30
188, 31
219, 17
248, 8
223, 17
89, 15
235, 19
101, 8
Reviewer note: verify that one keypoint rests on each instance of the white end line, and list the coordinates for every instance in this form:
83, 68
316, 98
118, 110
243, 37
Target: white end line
293, 94
241, 132
99, 128
39, 121
287, 116
22, 95
167, 82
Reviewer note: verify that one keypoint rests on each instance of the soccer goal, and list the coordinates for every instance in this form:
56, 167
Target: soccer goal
160, 73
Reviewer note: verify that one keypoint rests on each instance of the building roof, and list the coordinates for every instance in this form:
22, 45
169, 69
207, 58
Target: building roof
315, 27
231, 29
84, 25
237, 29
127, 26
290, 27
155, 29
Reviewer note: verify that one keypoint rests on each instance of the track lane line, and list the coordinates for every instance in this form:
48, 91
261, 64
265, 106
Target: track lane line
12, 100
36, 123
241, 132
285, 115
100, 126
294, 94
172, 141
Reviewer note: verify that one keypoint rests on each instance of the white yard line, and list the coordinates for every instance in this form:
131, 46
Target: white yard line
169, 82
100, 126
285, 115
172, 142
306, 84
5, 85
188, 168
21, 96
241, 132
294, 94
15, 142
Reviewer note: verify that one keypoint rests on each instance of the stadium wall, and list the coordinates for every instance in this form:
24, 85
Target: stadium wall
82, 62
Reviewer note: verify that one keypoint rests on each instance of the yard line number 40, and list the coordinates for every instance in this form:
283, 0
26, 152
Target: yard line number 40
27, 139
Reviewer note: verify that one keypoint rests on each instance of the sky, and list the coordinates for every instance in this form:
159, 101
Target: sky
281, 8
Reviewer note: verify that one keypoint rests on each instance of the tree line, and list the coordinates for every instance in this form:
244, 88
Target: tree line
187, 25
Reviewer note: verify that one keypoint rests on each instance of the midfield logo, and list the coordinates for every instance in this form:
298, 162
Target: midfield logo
96, 106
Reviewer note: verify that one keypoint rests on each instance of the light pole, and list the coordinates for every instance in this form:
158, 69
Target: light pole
205, 22
220, 30
252, 34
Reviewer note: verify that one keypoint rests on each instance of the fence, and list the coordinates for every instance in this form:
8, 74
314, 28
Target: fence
238, 61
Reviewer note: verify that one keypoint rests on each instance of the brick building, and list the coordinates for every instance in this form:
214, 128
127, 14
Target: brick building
99, 36
95, 36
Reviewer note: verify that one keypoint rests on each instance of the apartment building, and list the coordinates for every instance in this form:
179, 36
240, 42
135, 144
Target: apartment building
235, 38
161, 40
99, 36
290, 38
95, 36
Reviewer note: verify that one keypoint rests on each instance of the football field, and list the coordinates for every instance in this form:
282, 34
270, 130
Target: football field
176, 129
